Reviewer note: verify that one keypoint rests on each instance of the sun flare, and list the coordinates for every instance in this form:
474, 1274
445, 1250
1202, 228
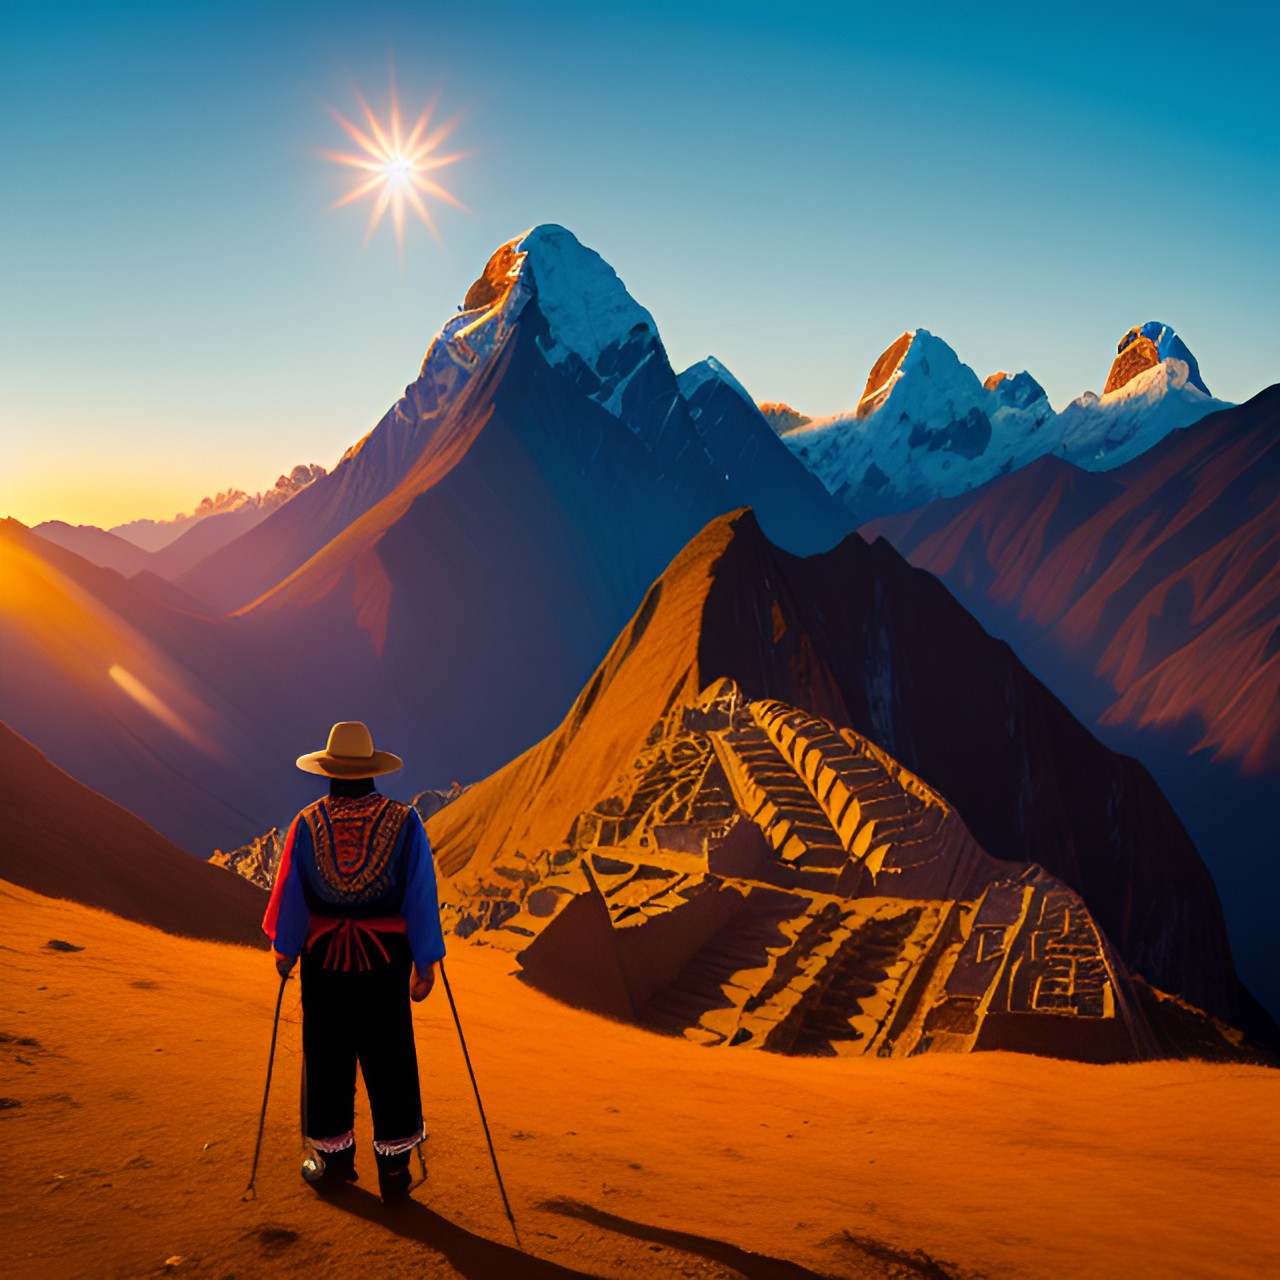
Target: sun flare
395, 165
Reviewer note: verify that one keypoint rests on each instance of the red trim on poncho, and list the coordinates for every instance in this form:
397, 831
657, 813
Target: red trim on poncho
272, 916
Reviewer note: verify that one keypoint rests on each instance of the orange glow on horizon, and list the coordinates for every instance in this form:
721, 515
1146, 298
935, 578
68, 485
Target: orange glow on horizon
397, 165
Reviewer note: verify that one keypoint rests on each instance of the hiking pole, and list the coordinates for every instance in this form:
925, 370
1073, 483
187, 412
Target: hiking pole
493, 1155
249, 1192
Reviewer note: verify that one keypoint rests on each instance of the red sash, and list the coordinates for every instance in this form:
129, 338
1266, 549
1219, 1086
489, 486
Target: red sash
349, 947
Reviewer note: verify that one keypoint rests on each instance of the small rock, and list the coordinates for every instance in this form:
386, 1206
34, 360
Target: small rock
57, 944
176, 1261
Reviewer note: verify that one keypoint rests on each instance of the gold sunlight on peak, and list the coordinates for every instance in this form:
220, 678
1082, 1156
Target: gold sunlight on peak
394, 165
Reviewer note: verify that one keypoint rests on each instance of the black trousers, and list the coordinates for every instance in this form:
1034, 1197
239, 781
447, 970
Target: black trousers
364, 1017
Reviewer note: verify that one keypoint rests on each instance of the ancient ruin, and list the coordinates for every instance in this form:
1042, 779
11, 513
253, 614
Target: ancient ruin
761, 878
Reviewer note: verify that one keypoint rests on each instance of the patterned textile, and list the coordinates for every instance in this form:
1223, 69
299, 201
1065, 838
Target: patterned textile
354, 840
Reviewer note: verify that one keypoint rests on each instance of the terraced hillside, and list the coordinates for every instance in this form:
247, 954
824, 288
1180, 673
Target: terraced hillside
759, 877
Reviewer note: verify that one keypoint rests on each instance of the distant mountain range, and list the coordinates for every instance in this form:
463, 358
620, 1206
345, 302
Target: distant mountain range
169, 548
926, 427
459, 575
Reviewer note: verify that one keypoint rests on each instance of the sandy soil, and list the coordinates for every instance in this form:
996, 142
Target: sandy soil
137, 1065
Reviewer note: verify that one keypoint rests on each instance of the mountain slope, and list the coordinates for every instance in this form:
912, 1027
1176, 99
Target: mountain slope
188, 721
1148, 598
858, 638
66, 841
97, 546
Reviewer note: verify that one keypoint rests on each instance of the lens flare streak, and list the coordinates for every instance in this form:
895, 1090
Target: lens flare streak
397, 164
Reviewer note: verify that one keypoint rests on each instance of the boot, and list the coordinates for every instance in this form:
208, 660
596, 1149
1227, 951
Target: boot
394, 1178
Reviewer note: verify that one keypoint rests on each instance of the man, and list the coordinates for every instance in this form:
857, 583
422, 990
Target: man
355, 898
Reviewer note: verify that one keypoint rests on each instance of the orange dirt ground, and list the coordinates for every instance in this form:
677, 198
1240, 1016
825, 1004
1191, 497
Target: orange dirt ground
625, 1154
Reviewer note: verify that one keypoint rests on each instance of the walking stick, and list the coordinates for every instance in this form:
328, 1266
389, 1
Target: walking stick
249, 1192
493, 1156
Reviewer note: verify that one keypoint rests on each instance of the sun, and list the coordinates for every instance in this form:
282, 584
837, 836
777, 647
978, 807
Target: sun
397, 165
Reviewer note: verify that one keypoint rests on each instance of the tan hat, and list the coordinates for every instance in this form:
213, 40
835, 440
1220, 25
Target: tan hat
350, 754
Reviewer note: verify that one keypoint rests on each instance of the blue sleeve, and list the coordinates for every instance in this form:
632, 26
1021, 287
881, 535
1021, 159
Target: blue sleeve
421, 909
294, 919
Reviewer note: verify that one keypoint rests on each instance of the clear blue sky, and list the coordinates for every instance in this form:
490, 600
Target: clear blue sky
786, 186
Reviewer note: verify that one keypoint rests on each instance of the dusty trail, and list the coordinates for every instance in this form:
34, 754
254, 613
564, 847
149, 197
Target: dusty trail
135, 1067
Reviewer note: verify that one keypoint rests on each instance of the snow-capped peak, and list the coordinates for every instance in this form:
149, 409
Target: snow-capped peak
925, 426
588, 317
1147, 345
706, 371
587, 308
923, 363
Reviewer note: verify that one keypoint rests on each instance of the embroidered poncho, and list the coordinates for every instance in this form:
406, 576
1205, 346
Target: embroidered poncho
359, 859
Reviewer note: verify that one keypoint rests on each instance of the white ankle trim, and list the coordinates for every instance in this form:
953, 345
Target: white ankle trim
330, 1146
398, 1146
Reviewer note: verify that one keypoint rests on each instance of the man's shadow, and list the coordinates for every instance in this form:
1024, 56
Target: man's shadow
470, 1255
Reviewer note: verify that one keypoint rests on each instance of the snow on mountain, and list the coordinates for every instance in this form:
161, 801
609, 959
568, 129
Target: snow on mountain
591, 324
1101, 432
574, 324
709, 371
926, 428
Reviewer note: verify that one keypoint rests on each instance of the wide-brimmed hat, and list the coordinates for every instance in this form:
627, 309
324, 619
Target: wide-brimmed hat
350, 754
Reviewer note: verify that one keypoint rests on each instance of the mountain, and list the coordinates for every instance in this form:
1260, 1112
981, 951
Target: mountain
151, 535
927, 427
1148, 598
857, 638
65, 841
168, 548
452, 582
232, 512
1146, 346
759, 877
782, 417
583, 342
96, 545
207, 535
924, 426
